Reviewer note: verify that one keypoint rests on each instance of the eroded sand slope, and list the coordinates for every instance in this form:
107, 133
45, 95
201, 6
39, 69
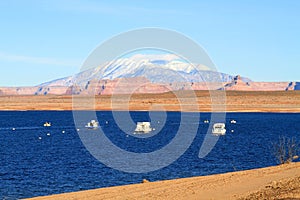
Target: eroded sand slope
236, 185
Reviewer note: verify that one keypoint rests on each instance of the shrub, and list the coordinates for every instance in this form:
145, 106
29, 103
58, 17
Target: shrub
286, 150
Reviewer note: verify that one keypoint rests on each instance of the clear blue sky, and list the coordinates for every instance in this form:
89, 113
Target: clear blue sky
44, 40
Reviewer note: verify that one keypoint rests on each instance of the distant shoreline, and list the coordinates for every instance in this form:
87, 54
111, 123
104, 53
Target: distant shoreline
279, 112
236, 101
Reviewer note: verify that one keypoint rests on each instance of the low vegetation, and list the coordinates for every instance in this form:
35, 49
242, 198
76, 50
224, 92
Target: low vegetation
286, 150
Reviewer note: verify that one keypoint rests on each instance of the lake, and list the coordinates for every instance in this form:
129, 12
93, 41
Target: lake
37, 160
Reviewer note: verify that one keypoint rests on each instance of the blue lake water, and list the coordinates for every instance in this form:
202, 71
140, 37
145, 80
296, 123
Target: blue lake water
57, 163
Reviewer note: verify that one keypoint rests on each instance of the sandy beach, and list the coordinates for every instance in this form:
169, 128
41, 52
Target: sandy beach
278, 182
231, 101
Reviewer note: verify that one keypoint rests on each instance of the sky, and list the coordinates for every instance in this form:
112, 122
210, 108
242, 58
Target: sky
49, 39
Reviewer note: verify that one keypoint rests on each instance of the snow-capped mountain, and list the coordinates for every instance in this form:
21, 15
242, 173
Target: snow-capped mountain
147, 74
165, 68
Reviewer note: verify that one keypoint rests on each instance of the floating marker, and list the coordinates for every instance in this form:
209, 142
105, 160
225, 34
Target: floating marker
40, 138
48, 134
63, 131
233, 121
13, 129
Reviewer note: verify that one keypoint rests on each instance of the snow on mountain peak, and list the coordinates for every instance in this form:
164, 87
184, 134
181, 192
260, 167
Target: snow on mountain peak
165, 57
162, 68
141, 65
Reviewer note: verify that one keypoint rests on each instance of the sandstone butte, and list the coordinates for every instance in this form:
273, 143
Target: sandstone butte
141, 85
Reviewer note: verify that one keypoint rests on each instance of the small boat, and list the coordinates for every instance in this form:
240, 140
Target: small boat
233, 121
143, 127
219, 129
93, 124
47, 124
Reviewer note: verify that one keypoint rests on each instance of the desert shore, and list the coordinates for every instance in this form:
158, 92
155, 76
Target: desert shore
197, 101
279, 182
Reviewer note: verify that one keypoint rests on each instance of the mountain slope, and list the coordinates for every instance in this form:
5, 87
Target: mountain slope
156, 68
147, 74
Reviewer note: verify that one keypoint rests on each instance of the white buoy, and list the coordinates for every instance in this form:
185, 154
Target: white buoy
63, 131
78, 129
47, 124
48, 134
13, 129
232, 131
40, 138
106, 122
